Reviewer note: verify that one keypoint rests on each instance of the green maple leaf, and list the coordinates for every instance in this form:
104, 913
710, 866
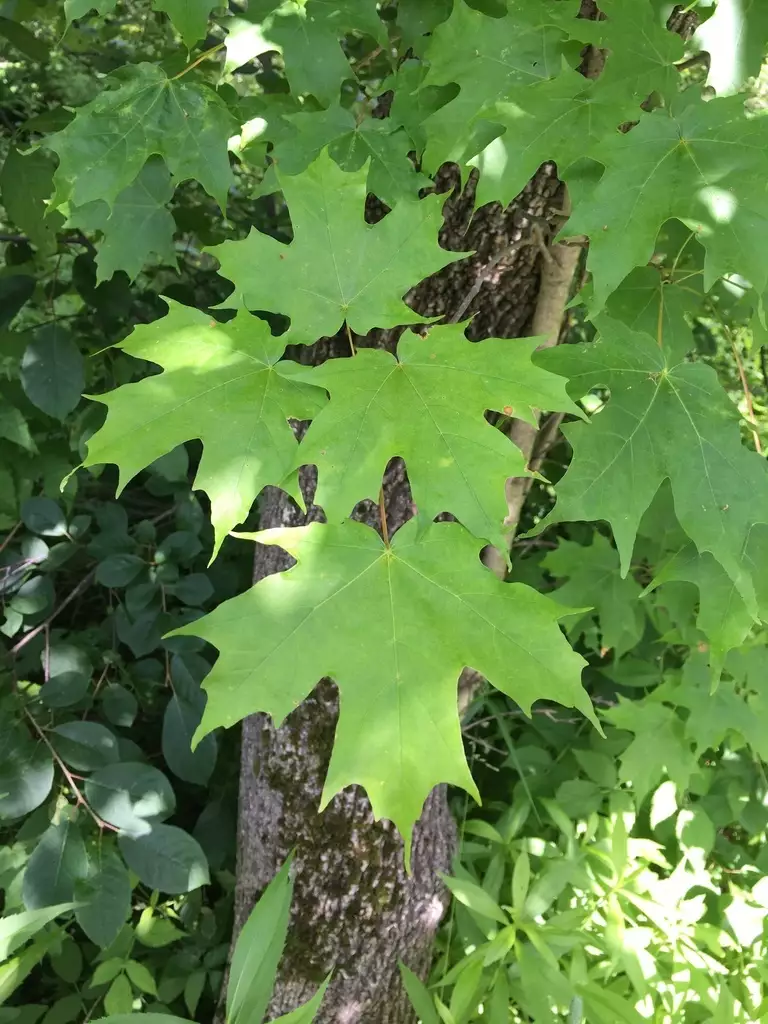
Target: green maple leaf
394, 627
723, 616
712, 715
308, 34
666, 419
660, 746
391, 175
559, 119
337, 267
702, 163
138, 226
74, 9
103, 149
220, 383
189, 17
641, 51
427, 406
593, 580
487, 58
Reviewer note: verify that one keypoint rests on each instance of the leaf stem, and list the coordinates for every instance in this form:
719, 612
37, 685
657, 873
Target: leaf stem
352, 348
199, 60
80, 799
10, 537
84, 583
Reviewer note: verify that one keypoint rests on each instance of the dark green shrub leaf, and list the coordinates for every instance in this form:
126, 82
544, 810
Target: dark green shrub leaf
167, 859
133, 797
52, 371
43, 516
57, 862
119, 570
26, 774
85, 746
120, 705
105, 897
70, 675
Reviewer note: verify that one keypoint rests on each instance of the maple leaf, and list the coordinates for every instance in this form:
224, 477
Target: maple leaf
103, 149
666, 419
219, 384
394, 627
138, 226
592, 573
659, 747
427, 406
640, 50
351, 144
559, 119
487, 57
308, 34
189, 17
712, 715
337, 267
702, 163
723, 616
74, 9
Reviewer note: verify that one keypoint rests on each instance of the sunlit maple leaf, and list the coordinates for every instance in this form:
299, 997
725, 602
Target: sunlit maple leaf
219, 384
337, 267
427, 406
394, 627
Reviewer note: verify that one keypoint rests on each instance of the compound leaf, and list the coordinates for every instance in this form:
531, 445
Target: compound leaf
394, 627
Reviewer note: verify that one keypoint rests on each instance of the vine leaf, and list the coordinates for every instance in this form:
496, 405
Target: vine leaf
487, 57
394, 627
592, 574
145, 113
138, 226
702, 163
189, 17
337, 267
666, 419
427, 406
219, 384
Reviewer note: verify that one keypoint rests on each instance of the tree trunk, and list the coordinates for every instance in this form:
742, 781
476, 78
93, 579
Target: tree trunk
355, 910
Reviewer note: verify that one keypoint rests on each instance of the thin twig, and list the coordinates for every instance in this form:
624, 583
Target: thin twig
349, 339
199, 60
84, 583
81, 801
747, 396
10, 537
